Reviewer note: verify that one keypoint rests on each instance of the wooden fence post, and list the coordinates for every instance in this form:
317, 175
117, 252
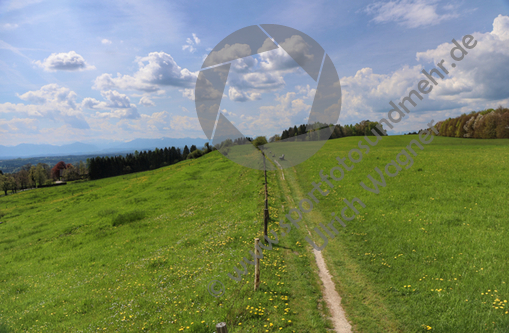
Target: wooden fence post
221, 328
257, 265
266, 210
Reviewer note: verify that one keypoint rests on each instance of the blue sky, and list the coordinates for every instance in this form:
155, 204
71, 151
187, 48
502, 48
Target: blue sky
95, 71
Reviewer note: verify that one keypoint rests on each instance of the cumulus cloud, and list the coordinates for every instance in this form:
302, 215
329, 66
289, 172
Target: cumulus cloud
287, 110
18, 125
228, 113
229, 52
188, 93
113, 99
280, 60
51, 102
306, 91
478, 82
411, 13
238, 96
130, 113
483, 74
156, 70
119, 106
145, 101
185, 123
249, 77
70, 61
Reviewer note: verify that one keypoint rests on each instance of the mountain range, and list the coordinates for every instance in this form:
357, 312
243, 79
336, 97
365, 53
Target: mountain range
78, 148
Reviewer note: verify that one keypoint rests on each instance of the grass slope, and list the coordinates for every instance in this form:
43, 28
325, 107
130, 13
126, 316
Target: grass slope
137, 253
429, 252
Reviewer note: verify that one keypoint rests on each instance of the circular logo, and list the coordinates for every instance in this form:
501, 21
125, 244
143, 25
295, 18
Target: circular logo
287, 152
214, 292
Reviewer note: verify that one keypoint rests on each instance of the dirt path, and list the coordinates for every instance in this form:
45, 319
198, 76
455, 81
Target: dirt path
331, 296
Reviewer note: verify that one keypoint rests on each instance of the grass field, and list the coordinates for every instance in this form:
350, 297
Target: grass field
137, 253
430, 251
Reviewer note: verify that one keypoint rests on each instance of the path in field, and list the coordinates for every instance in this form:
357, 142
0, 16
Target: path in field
331, 296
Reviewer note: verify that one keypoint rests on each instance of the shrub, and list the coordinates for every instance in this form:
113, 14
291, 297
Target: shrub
129, 217
195, 154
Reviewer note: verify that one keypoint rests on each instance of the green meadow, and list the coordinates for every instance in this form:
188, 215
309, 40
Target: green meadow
430, 251
138, 252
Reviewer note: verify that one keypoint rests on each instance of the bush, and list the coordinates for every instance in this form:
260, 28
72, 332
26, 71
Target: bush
129, 217
195, 154
260, 141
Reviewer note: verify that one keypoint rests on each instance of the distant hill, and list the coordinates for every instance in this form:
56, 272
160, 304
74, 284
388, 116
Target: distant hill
25, 150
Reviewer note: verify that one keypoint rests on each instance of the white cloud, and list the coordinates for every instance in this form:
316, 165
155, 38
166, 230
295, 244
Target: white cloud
119, 104
191, 43
238, 96
250, 77
478, 82
145, 101
188, 93
113, 100
287, 110
19, 125
229, 52
280, 60
483, 74
51, 102
307, 92
226, 112
125, 82
106, 41
410, 13
188, 47
130, 113
196, 39
185, 123
70, 61
156, 70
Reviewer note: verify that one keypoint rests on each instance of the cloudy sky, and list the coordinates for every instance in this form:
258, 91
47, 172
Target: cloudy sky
96, 71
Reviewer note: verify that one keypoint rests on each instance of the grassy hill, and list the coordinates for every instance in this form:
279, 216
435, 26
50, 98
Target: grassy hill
429, 252
137, 253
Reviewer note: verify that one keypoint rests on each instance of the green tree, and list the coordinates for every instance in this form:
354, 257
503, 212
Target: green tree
259, 141
38, 174
6, 183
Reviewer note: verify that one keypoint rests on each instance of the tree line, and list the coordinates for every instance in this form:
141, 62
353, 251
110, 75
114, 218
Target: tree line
102, 167
486, 124
31, 176
337, 131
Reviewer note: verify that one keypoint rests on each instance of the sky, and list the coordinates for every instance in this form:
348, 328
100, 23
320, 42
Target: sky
101, 71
